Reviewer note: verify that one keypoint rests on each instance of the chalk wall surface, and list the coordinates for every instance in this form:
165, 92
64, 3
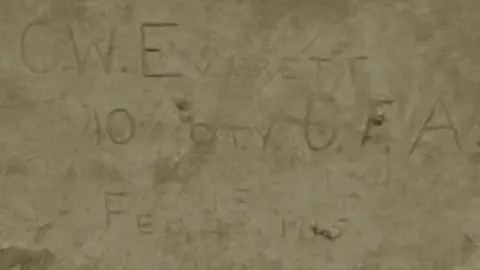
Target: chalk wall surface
239, 134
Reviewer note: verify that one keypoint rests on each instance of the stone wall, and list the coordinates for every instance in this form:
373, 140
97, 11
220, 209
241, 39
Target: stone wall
239, 134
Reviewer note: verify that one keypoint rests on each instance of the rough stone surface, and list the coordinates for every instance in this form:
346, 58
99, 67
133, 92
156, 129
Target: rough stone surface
243, 123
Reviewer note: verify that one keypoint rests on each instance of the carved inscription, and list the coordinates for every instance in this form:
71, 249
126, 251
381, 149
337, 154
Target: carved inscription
297, 160
145, 50
105, 58
375, 119
23, 49
98, 129
233, 130
356, 69
113, 211
145, 224
208, 139
307, 128
288, 224
110, 128
320, 65
131, 129
360, 81
425, 127
284, 70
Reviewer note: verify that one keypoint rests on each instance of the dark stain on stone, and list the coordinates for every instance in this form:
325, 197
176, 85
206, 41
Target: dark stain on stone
42, 232
184, 108
181, 104
15, 166
26, 259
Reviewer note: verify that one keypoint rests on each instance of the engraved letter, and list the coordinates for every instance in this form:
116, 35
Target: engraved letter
319, 64
375, 118
232, 133
360, 81
353, 69
308, 126
210, 139
144, 223
266, 136
110, 211
144, 50
105, 59
425, 126
99, 135
110, 131
23, 50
